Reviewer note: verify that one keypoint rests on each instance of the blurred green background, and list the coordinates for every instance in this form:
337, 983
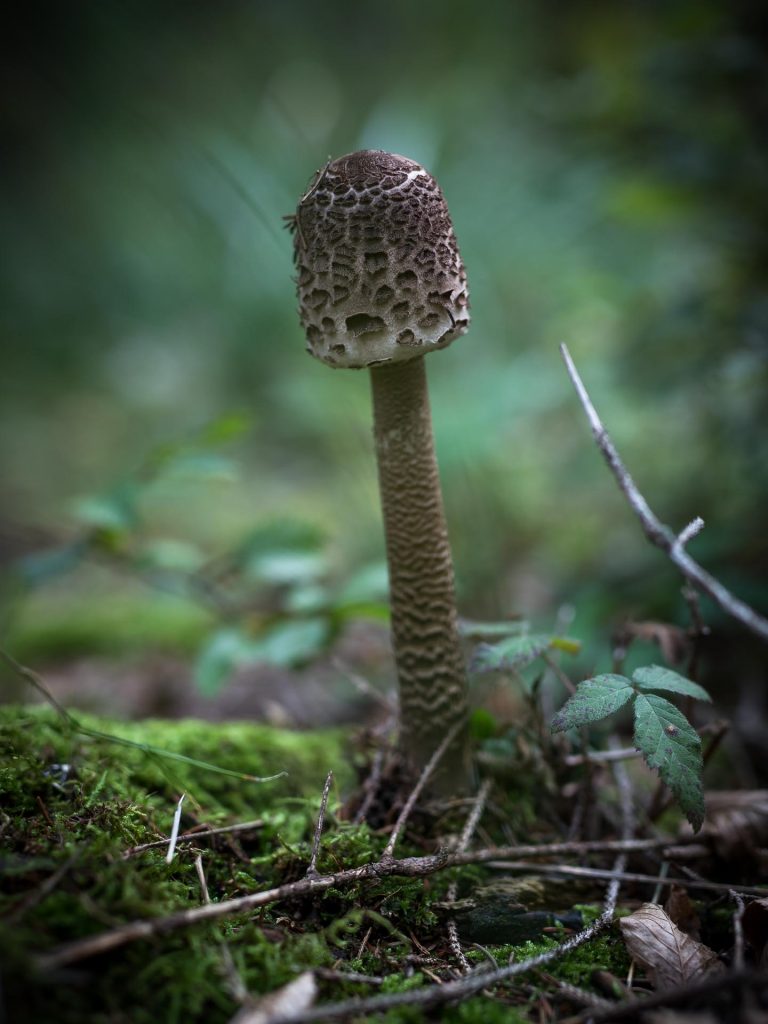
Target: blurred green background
605, 165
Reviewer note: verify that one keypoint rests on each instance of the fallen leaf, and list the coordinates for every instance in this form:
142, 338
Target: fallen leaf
673, 642
737, 822
298, 995
682, 912
669, 956
755, 924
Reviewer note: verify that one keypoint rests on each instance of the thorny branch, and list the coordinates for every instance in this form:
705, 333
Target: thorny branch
656, 532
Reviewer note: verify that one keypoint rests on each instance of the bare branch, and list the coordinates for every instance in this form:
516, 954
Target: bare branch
656, 532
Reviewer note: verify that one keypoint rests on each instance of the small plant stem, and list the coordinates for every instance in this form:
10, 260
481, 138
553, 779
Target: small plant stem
426, 774
312, 869
471, 824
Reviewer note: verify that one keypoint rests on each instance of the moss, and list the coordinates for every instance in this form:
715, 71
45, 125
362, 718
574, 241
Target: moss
72, 804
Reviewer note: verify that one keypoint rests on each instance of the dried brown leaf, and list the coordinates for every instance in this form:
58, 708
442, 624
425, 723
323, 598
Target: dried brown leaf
669, 956
737, 822
296, 996
755, 925
672, 641
682, 912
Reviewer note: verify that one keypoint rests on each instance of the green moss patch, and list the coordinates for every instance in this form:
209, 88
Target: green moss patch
74, 806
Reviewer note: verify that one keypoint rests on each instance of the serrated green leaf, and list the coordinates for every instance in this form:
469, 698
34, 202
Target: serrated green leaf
655, 677
670, 744
483, 630
518, 651
514, 652
594, 699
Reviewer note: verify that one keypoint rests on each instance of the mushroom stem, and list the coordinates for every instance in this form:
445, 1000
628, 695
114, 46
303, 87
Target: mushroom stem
430, 665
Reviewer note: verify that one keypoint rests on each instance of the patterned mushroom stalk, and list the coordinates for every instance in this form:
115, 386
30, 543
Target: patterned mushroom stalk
380, 284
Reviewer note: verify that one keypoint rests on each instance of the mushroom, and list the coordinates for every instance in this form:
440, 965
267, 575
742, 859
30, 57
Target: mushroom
380, 284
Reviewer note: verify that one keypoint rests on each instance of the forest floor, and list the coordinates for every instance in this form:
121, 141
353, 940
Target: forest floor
566, 888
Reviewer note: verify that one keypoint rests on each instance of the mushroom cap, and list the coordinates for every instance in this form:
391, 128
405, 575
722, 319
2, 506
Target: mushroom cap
380, 277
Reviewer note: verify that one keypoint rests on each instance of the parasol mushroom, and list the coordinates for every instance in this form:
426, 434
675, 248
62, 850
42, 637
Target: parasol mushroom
380, 284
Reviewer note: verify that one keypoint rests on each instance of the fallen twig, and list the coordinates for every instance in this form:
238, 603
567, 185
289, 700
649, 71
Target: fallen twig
656, 532
409, 867
188, 837
624, 876
452, 991
712, 986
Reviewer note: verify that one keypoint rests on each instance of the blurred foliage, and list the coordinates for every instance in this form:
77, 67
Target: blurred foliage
605, 166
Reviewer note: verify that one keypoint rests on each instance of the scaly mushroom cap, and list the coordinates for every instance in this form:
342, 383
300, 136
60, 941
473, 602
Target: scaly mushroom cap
380, 277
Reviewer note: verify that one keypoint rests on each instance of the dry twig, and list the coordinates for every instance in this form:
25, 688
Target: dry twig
408, 867
656, 532
189, 837
624, 876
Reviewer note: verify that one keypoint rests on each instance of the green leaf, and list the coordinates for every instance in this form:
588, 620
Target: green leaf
290, 643
654, 677
43, 566
594, 699
482, 630
175, 555
115, 513
514, 652
223, 651
565, 643
223, 429
199, 466
282, 552
369, 585
670, 744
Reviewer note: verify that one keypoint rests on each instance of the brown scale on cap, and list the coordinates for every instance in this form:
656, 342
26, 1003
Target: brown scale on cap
380, 278
380, 284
